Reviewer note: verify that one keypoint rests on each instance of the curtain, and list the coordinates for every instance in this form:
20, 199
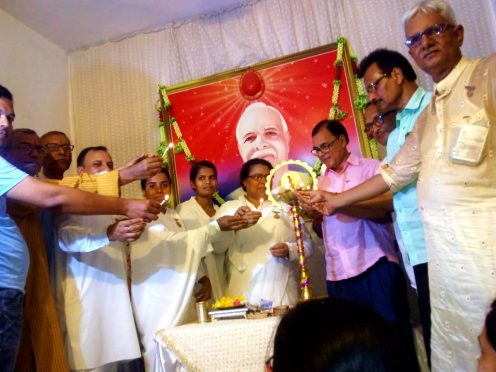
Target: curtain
114, 86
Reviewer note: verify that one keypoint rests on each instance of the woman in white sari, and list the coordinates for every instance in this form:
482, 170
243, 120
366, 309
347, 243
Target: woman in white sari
164, 264
198, 211
263, 260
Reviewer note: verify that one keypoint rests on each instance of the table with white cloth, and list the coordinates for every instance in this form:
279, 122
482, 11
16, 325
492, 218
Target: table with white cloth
225, 345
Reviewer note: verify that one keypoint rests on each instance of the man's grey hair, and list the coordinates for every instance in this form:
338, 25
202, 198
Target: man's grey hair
440, 7
259, 105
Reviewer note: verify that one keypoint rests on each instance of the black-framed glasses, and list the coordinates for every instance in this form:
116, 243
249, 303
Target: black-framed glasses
27, 148
10, 117
372, 87
435, 30
377, 121
258, 177
55, 147
323, 148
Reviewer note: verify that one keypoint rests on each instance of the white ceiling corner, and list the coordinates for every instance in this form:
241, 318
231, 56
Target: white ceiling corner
75, 24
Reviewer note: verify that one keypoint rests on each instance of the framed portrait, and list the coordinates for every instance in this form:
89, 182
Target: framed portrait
266, 110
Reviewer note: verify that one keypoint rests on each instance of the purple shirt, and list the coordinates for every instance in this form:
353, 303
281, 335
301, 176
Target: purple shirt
352, 245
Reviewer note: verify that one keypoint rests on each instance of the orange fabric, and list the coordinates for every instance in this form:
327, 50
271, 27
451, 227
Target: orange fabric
41, 346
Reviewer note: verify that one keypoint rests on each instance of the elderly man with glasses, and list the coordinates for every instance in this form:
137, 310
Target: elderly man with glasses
41, 340
451, 153
390, 83
361, 260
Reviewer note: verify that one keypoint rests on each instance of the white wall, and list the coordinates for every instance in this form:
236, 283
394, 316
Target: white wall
36, 72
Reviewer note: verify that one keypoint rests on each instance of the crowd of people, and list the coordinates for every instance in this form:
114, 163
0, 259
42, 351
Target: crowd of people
87, 278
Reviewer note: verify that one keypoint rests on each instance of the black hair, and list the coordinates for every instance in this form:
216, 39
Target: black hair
490, 324
195, 168
335, 335
5, 93
387, 60
82, 155
164, 170
246, 168
333, 126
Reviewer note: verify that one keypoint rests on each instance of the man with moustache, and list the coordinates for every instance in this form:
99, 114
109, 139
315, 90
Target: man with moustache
451, 152
390, 82
14, 260
361, 260
378, 125
58, 158
41, 340
91, 278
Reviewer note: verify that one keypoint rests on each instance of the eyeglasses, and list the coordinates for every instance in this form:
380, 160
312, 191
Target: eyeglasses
258, 177
377, 121
323, 148
55, 147
10, 117
27, 148
435, 30
372, 87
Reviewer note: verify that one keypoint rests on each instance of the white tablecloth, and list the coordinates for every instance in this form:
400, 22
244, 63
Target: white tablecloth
227, 345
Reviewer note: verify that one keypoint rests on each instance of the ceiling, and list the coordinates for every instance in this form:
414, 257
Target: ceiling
75, 24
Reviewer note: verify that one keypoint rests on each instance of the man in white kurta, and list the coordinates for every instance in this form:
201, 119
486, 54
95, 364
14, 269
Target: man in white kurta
452, 152
92, 294
90, 281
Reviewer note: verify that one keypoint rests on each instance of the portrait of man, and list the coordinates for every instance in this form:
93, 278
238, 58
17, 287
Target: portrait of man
262, 133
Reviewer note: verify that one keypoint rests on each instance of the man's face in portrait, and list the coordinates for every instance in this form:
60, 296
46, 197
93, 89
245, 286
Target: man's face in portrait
261, 134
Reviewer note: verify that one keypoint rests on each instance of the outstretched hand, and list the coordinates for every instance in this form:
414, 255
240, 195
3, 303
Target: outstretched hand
280, 250
144, 209
316, 200
142, 167
127, 230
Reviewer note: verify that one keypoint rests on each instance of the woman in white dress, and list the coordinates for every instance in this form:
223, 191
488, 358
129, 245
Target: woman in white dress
164, 264
263, 260
198, 211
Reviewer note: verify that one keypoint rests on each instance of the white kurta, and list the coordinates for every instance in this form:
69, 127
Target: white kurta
458, 206
193, 216
92, 295
164, 263
253, 271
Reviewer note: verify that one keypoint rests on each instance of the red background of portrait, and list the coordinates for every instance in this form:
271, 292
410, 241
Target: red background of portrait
301, 90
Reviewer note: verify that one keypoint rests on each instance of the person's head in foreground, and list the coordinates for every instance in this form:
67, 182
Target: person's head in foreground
335, 335
487, 341
433, 37
262, 133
